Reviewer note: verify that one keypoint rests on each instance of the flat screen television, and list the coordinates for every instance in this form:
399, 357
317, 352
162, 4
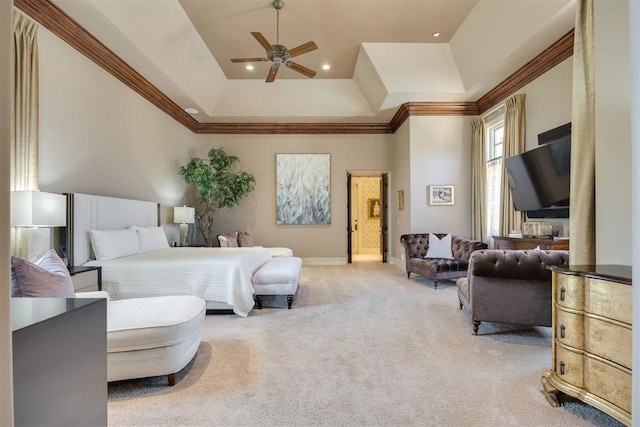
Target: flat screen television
539, 179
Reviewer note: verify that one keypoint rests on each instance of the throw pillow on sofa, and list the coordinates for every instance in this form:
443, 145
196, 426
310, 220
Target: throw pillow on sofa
439, 248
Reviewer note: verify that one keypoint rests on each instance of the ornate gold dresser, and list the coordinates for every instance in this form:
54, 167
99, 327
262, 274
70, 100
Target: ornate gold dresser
591, 347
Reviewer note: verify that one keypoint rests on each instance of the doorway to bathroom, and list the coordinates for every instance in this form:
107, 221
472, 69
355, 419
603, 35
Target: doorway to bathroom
367, 224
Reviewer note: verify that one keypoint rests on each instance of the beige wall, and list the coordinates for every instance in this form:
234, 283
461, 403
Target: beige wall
440, 154
256, 213
548, 103
97, 136
400, 221
613, 133
6, 364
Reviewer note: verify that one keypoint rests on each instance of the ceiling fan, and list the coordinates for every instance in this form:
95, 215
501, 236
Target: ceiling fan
278, 54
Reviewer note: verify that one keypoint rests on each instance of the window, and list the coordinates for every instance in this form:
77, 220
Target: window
493, 156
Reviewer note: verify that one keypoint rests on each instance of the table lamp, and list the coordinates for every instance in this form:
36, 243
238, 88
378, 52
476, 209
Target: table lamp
37, 211
184, 216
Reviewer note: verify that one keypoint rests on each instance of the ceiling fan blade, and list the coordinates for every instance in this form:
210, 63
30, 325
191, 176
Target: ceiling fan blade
303, 48
272, 73
248, 59
262, 40
301, 69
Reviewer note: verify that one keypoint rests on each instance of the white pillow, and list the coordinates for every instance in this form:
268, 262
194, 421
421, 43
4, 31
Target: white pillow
439, 248
111, 244
152, 238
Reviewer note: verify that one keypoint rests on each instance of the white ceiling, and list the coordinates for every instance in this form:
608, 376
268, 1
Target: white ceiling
382, 52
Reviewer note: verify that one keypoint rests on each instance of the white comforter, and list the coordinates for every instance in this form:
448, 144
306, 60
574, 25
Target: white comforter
215, 274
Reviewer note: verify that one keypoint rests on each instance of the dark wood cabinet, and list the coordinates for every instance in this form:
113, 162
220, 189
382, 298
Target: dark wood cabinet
530, 243
59, 361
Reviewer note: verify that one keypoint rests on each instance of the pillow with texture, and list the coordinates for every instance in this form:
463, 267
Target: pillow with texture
15, 291
230, 240
112, 244
439, 248
245, 240
48, 277
152, 238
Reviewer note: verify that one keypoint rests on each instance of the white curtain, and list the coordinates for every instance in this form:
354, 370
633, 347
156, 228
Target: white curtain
514, 134
494, 178
478, 190
582, 218
24, 114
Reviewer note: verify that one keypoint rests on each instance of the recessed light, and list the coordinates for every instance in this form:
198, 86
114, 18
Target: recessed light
191, 110
436, 34
326, 67
249, 67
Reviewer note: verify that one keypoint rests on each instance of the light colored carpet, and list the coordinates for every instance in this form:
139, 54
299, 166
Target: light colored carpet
362, 346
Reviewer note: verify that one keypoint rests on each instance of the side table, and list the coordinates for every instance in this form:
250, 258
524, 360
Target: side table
85, 278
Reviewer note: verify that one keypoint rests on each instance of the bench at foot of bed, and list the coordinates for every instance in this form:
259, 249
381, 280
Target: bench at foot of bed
278, 276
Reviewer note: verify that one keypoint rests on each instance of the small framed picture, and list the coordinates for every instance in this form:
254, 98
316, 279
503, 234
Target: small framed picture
373, 206
440, 195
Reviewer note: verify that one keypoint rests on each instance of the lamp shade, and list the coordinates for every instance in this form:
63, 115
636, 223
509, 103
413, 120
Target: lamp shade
183, 215
31, 208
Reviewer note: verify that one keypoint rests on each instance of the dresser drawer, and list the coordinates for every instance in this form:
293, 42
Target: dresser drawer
570, 329
569, 366
570, 291
608, 340
608, 299
608, 382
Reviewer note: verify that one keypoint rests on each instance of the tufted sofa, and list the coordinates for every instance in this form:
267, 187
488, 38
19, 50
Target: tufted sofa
416, 246
509, 286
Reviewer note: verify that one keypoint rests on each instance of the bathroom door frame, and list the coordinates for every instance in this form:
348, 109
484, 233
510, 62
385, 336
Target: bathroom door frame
384, 214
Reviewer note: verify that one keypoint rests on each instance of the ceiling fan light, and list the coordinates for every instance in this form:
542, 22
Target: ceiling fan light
277, 53
326, 67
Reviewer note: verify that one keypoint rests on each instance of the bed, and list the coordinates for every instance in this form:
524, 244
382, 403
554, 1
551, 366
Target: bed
221, 276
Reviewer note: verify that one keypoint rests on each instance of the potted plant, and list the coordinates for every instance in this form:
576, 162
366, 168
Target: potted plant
217, 186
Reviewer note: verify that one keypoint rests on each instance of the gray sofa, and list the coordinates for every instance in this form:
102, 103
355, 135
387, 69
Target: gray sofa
509, 286
416, 246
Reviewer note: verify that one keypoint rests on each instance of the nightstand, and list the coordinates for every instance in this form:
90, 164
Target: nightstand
86, 279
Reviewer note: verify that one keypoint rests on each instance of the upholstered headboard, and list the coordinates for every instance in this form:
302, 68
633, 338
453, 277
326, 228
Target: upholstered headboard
89, 212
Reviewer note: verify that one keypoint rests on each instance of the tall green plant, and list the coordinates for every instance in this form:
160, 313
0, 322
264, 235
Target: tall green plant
217, 186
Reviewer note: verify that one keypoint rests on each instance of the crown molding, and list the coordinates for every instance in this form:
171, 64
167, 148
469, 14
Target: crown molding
549, 58
293, 128
409, 109
59, 23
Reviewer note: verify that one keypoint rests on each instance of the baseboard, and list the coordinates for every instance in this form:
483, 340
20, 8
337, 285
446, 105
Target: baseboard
397, 262
324, 261
343, 261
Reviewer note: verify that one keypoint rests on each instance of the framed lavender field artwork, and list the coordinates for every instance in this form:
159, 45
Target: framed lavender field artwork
303, 189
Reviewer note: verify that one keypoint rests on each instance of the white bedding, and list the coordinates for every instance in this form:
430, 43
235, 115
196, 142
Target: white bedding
215, 274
